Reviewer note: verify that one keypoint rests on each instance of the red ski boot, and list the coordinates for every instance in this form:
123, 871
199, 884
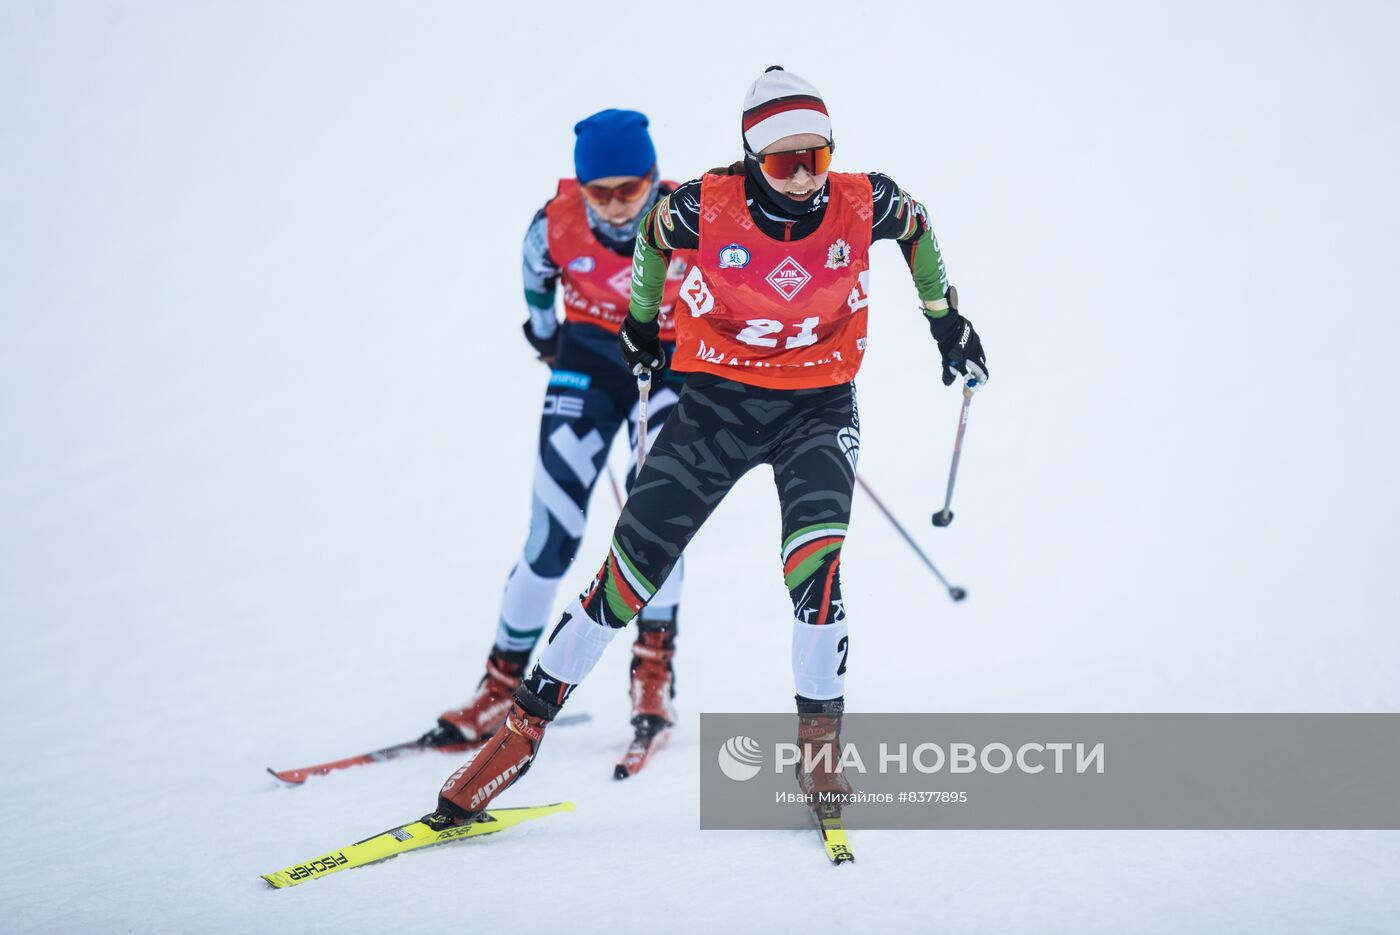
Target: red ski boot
653, 678
819, 738
487, 710
503, 759
653, 693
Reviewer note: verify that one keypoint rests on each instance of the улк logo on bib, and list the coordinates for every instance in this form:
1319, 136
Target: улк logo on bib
789, 278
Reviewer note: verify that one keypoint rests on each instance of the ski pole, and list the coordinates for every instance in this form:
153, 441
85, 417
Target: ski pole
956, 593
945, 516
617, 491
643, 393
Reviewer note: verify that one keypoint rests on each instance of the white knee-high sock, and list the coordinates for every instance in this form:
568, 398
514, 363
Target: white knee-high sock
575, 646
525, 608
819, 658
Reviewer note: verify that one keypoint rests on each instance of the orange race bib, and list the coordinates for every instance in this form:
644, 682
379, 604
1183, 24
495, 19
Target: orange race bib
596, 282
773, 313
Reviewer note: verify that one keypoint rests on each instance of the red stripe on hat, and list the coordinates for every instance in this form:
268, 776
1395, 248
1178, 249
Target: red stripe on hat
782, 105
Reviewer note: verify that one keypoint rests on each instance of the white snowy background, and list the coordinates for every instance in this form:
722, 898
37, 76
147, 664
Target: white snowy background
267, 421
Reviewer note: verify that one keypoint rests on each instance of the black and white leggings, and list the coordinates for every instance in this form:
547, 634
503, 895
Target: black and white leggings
590, 396
719, 430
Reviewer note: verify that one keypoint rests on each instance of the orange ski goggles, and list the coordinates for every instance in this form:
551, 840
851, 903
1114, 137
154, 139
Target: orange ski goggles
626, 193
785, 165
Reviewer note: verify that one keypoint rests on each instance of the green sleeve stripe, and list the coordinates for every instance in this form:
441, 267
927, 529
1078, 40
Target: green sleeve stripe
658, 230
539, 299
926, 263
648, 276
909, 224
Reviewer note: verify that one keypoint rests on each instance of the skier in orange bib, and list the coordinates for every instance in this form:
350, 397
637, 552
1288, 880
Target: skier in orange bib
770, 331
582, 242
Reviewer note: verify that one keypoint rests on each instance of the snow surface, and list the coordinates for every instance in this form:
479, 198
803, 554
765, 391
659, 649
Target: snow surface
266, 424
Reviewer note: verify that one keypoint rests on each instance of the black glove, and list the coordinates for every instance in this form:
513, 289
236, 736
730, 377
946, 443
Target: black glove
546, 348
640, 343
959, 344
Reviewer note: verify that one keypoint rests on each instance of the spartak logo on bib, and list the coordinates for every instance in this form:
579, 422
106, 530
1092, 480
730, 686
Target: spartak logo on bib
788, 278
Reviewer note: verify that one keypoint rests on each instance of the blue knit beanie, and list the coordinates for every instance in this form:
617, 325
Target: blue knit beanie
613, 142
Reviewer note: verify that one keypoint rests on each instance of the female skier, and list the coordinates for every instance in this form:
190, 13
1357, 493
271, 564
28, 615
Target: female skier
583, 238
771, 333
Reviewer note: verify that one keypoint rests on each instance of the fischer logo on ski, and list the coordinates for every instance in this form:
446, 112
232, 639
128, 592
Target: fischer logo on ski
430, 831
328, 864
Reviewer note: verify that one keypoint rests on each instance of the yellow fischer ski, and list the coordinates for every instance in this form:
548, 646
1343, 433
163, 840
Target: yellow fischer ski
833, 832
406, 838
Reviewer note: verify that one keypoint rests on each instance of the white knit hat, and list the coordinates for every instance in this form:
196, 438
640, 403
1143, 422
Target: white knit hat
782, 104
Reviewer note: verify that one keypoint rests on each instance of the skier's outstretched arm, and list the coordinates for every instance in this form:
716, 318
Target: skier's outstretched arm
901, 218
